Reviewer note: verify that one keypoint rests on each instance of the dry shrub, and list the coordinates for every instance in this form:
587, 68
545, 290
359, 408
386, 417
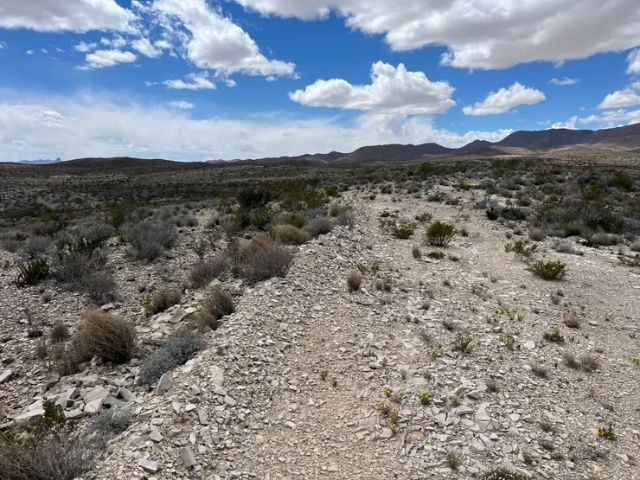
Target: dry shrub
290, 235
204, 271
162, 299
354, 281
416, 252
219, 302
536, 234
102, 335
262, 258
59, 332
206, 321
179, 348
319, 226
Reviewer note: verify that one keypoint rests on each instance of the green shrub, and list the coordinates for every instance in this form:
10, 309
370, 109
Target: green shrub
553, 270
440, 233
32, 272
404, 230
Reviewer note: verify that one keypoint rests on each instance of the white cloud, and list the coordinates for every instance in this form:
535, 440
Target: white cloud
125, 127
570, 124
482, 34
83, 47
563, 82
193, 81
3, 45
634, 61
612, 118
73, 15
30, 52
621, 98
392, 90
116, 42
214, 42
181, 105
505, 99
144, 46
107, 58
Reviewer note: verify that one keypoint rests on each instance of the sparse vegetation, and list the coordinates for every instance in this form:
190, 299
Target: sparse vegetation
553, 270
176, 351
161, 299
440, 233
354, 280
261, 259
219, 302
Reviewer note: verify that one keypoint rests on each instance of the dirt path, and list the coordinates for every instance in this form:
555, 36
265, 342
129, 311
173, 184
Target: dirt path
305, 362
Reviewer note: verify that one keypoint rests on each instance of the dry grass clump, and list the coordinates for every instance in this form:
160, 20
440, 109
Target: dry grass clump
354, 281
162, 299
219, 302
290, 235
262, 258
416, 252
59, 332
101, 335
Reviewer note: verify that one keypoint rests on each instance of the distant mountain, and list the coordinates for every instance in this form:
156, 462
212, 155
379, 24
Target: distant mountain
39, 162
518, 143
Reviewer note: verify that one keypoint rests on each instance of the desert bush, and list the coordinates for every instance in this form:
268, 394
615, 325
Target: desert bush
32, 272
553, 270
206, 270
161, 299
111, 421
416, 252
99, 286
55, 456
536, 234
354, 281
219, 302
11, 240
440, 233
148, 239
102, 335
462, 342
83, 268
404, 230
262, 258
297, 219
346, 219
604, 239
178, 349
337, 209
565, 246
290, 235
318, 226
59, 332
36, 246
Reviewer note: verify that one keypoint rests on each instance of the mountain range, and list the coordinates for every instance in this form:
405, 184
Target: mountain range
626, 139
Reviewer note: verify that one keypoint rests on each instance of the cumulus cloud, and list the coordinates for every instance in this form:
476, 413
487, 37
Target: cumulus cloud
193, 81
393, 90
107, 58
504, 100
634, 61
181, 105
73, 15
563, 82
84, 47
125, 127
213, 41
144, 46
621, 98
569, 124
612, 118
480, 33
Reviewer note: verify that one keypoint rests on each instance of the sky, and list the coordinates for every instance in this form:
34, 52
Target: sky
227, 79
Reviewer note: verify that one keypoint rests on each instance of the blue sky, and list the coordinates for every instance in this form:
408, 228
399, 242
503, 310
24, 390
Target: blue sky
208, 79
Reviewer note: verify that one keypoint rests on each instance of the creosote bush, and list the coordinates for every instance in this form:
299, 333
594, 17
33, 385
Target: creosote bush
354, 281
179, 348
440, 233
553, 270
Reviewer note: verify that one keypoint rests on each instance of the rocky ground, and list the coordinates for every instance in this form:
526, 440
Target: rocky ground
293, 384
